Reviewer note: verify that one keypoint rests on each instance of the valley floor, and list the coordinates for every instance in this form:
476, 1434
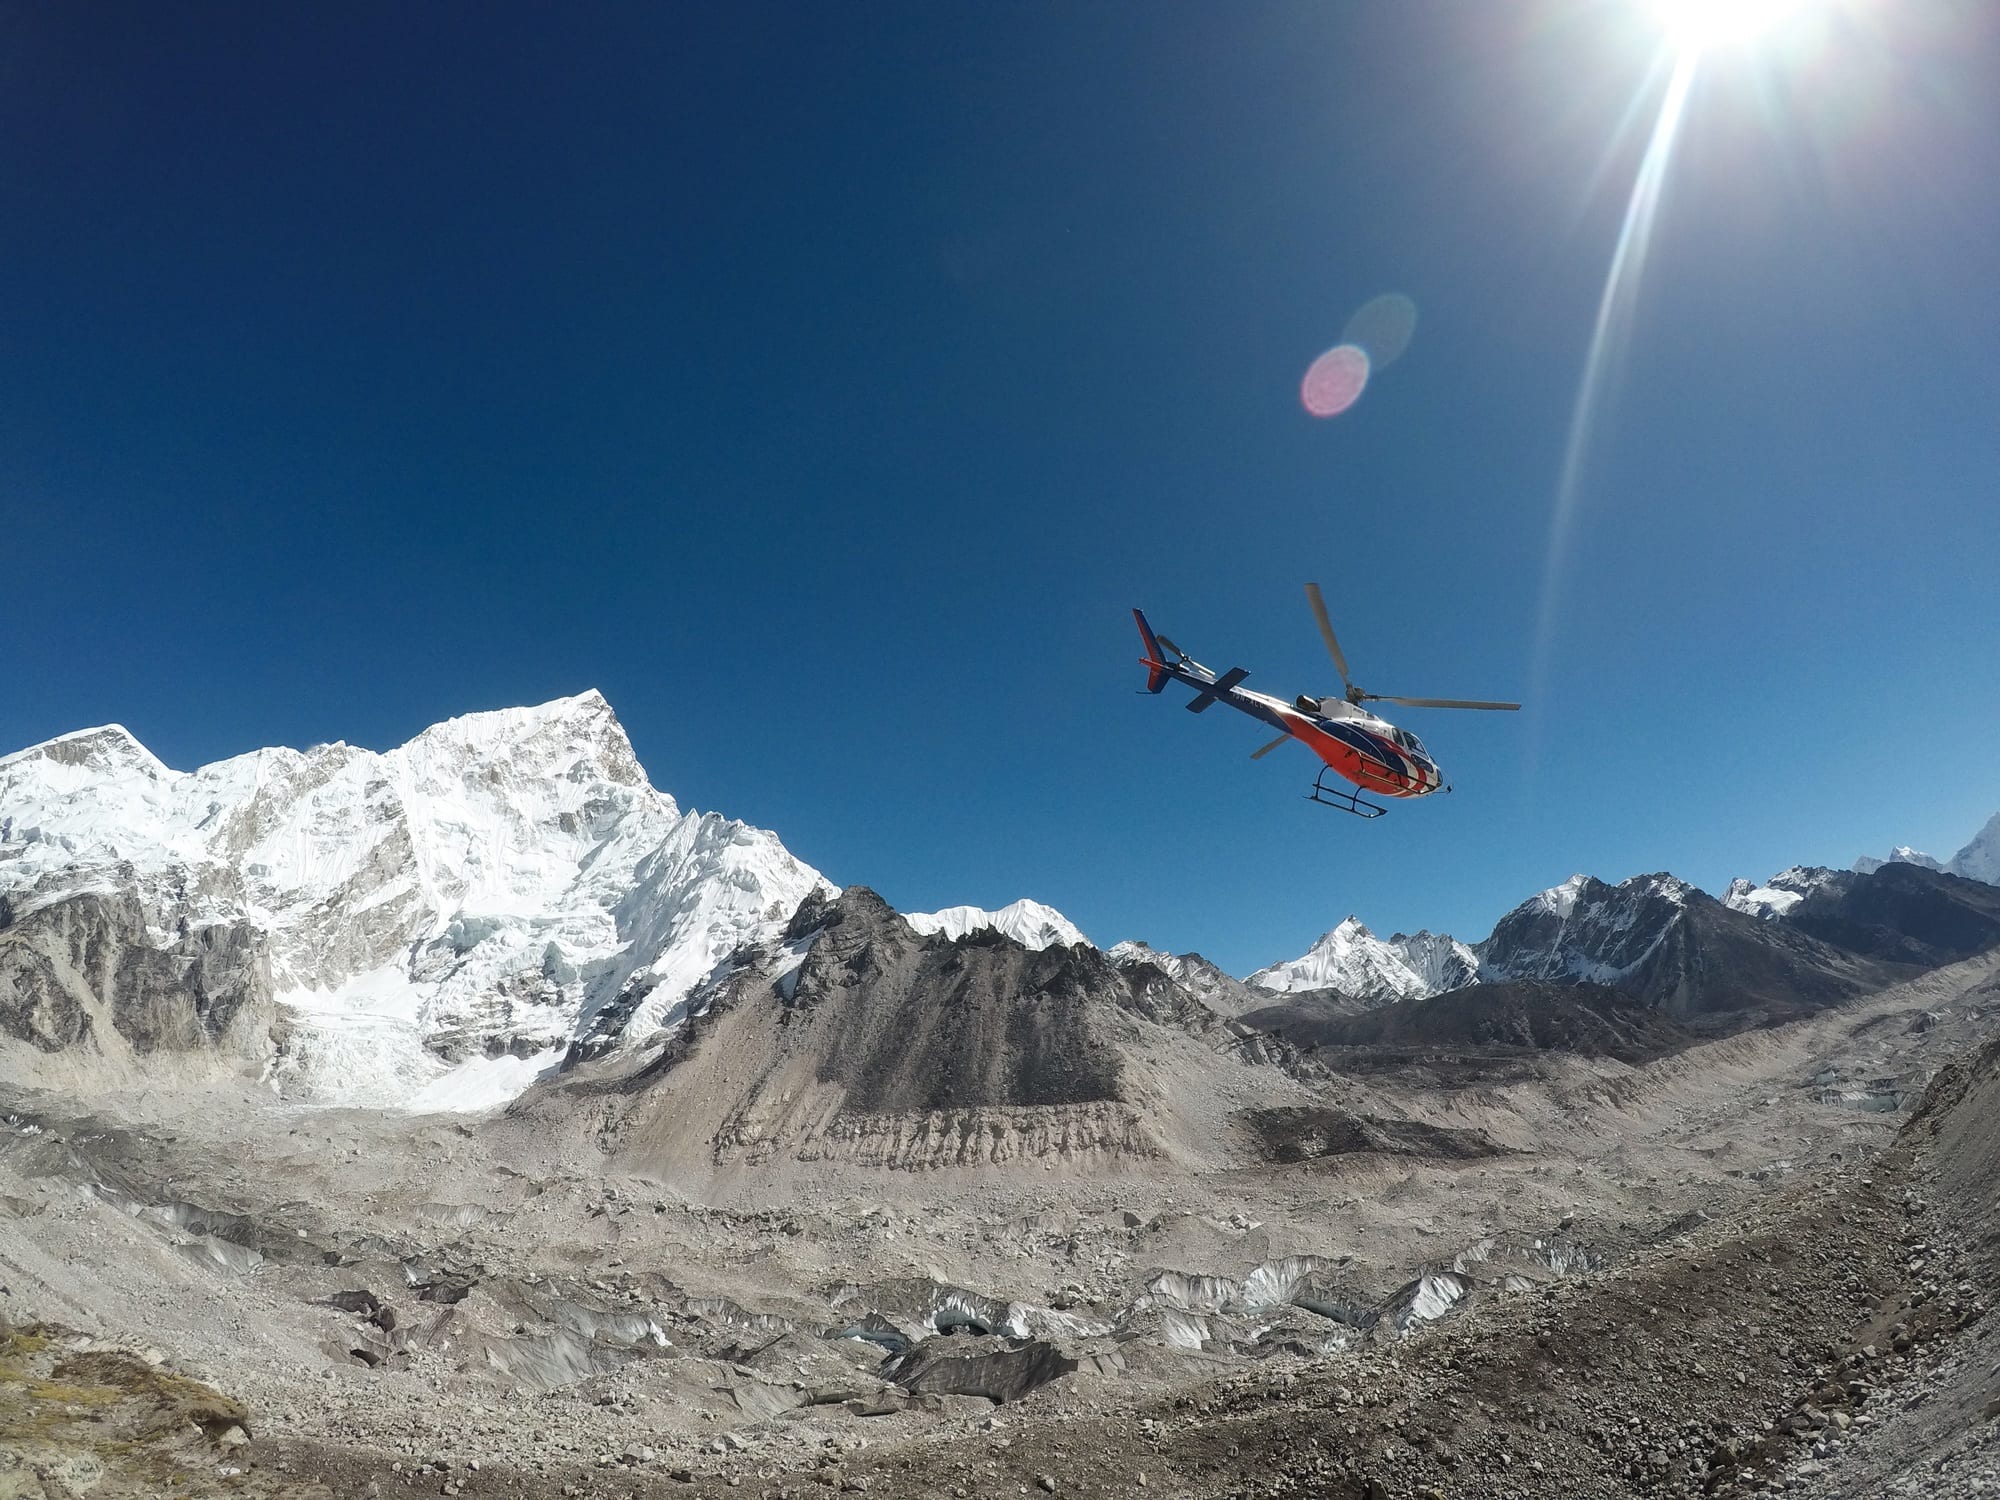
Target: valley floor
1763, 1263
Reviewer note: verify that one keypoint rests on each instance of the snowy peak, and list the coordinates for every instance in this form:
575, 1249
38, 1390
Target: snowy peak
1352, 960
576, 738
1029, 923
1130, 953
1674, 948
1561, 899
461, 905
1584, 931
1756, 900
1777, 896
1902, 854
1440, 960
109, 749
1980, 859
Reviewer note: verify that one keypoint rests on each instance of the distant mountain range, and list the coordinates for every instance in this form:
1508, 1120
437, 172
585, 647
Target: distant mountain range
1978, 860
433, 925
507, 897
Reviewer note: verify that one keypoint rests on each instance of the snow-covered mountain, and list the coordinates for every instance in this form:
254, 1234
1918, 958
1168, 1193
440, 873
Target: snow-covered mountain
1902, 854
1674, 947
1352, 960
1980, 859
442, 919
1028, 923
1777, 896
1583, 930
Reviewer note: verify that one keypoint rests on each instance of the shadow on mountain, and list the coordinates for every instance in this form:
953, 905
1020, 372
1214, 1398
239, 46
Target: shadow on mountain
1903, 914
1486, 1021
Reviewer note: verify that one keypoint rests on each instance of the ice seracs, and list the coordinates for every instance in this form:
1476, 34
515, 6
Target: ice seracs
443, 918
1029, 923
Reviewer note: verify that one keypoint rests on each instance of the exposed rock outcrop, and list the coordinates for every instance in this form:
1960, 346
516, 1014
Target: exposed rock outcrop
84, 971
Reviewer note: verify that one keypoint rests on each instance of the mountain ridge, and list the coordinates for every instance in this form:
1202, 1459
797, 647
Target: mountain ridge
506, 893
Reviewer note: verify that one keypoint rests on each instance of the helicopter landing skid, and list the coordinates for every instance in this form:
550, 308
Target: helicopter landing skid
1345, 799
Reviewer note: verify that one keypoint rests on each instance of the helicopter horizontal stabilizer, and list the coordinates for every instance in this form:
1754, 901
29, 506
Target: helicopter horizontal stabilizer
1216, 689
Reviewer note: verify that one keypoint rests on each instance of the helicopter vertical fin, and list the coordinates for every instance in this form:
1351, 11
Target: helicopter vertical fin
1156, 669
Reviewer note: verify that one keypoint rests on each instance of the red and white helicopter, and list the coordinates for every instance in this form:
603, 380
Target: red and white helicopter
1355, 744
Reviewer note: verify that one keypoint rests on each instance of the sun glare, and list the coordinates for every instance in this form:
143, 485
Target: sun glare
1697, 25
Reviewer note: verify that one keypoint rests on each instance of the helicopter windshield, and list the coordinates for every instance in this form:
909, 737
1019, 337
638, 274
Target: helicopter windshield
1409, 742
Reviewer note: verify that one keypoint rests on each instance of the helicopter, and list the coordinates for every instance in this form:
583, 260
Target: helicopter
1353, 743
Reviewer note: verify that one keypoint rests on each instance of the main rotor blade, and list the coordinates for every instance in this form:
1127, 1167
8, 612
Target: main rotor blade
1326, 629
1170, 646
1436, 702
1260, 754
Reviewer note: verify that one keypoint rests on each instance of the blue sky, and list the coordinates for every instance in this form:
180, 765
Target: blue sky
826, 384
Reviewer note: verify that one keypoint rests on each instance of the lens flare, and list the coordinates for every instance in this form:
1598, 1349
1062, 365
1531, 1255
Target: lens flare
1335, 380
1607, 339
1382, 327
1696, 25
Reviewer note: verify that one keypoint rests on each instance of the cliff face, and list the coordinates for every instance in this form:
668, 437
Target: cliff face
85, 973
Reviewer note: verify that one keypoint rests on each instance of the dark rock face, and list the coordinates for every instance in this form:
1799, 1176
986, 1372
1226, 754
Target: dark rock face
1903, 913
1678, 949
904, 1022
35, 1005
90, 954
888, 1048
1591, 1019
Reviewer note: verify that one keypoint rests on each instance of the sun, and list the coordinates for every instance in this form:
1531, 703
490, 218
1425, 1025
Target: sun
1698, 25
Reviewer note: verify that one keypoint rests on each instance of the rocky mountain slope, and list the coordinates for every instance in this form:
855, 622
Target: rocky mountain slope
1194, 975
1902, 913
855, 1037
1677, 948
1480, 1024
83, 972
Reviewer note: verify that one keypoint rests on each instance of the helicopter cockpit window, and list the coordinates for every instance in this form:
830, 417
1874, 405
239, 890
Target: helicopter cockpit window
1410, 742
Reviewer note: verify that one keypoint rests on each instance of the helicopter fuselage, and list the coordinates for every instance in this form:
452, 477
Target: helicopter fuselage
1364, 748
